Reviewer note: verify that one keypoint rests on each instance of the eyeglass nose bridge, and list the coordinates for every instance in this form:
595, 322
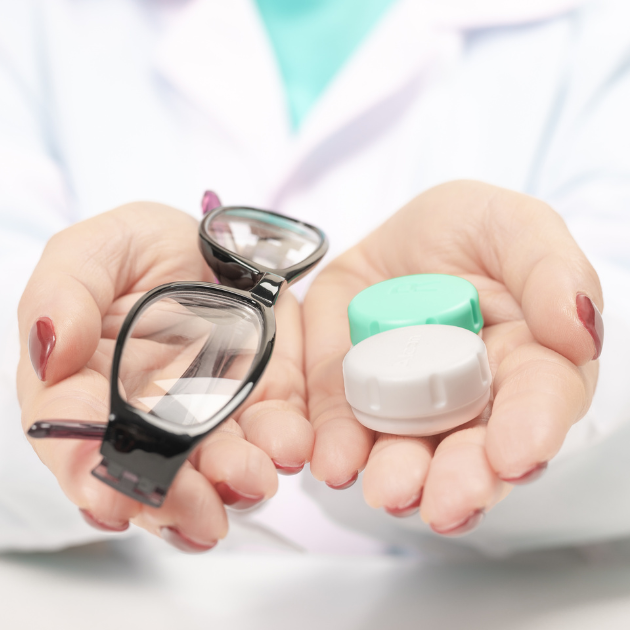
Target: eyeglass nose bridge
234, 272
229, 269
269, 288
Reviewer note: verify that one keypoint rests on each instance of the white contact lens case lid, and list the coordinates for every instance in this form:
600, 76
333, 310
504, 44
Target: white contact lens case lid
418, 380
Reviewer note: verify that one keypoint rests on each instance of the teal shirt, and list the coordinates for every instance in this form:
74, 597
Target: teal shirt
312, 39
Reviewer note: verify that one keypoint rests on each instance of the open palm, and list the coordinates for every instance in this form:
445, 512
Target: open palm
87, 280
537, 295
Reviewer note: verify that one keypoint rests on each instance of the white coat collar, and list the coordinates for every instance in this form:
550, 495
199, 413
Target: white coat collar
217, 53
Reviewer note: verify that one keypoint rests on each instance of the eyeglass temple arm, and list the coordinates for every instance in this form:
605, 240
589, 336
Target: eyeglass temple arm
67, 429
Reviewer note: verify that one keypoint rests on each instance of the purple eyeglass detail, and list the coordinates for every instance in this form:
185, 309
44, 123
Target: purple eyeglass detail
67, 429
209, 202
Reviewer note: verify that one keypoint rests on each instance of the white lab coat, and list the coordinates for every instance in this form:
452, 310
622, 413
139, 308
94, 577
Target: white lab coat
102, 103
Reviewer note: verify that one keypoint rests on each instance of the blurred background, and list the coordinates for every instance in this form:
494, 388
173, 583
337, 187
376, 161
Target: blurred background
257, 579
102, 103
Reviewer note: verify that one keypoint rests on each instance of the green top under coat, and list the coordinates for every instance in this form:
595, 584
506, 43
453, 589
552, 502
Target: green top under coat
312, 40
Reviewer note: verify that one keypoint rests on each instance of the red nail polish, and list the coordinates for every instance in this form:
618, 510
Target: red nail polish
288, 470
41, 342
345, 484
406, 510
592, 320
210, 201
463, 527
174, 537
104, 527
527, 477
236, 500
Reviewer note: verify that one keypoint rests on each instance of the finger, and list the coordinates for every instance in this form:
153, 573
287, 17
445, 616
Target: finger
395, 473
192, 517
86, 267
502, 339
538, 396
275, 417
473, 228
281, 432
461, 485
342, 444
84, 396
284, 378
242, 474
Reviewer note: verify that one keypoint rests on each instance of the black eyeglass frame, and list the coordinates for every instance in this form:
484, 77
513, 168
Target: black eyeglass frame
264, 282
141, 452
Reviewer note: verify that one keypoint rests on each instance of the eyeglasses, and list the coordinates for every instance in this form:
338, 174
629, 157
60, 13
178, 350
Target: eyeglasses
190, 353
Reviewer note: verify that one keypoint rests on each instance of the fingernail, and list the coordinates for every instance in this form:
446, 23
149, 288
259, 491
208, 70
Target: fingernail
527, 477
345, 484
104, 527
41, 342
210, 201
236, 500
463, 527
288, 470
174, 537
408, 509
592, 320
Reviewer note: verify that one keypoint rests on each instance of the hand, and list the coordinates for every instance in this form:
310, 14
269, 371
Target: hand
536, 291
89, 276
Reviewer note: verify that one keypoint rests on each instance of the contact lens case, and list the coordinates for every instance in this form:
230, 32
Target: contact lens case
417, 366
430, 298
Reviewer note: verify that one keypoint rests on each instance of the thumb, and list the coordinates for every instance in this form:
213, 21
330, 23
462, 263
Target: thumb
60, 313
88, 266
545, 269
474, 229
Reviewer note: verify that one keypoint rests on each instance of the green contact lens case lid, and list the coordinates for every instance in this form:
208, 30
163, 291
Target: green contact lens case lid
414, 300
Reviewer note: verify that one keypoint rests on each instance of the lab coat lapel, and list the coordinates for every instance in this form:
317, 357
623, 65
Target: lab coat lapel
399, 50
412, 37
216, 52
414, 40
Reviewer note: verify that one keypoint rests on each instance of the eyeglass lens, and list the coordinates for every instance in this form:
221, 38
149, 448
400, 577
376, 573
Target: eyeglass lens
264, 238
187, 355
